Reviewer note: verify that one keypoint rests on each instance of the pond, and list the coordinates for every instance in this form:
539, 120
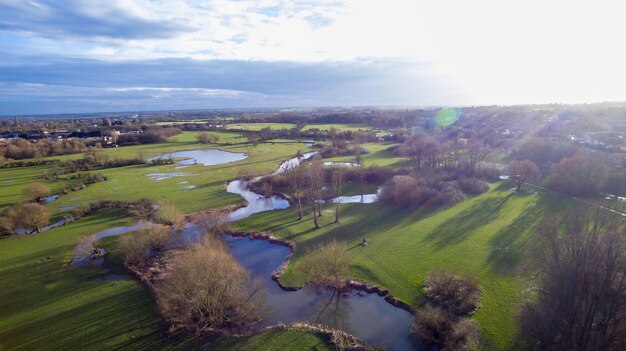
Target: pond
209, 157
365, 315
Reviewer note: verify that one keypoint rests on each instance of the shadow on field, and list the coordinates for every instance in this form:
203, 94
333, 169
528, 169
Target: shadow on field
458, 228
508, 247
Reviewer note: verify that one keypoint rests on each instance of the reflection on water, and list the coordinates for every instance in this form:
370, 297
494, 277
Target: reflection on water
367, 316
208, 157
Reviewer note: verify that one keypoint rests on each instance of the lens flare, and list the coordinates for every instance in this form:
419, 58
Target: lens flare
446, 116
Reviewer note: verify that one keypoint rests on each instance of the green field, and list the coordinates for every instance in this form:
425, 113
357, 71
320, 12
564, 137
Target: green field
379, 155
48, 304
259, 126
484, 236
339, 126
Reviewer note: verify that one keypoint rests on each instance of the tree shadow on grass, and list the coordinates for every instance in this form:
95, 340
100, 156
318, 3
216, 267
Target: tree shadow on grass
458, 228
508, 246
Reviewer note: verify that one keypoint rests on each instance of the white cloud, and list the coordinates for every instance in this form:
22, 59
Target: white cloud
492, 51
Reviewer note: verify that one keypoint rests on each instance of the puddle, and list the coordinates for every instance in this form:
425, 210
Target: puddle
162, 176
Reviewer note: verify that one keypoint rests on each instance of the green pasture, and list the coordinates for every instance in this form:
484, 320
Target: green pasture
47, 304
341, 127
259, 126
485, 236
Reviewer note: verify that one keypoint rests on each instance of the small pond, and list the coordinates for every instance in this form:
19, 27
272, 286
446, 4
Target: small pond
209, 157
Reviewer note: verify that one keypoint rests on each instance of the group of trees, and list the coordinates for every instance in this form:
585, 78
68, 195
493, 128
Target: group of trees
30, 216
206, 138
580, 299
23, 149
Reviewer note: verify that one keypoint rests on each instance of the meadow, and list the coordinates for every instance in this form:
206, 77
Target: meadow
484, 236
47, 303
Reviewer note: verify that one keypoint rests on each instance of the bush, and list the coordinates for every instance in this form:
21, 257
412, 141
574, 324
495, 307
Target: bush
472, 185
460, 295
143, 243
168, 214
208, 291
436, 330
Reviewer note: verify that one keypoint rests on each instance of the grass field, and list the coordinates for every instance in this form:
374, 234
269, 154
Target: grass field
259, 126
379, 155
48, 304
339, 126
484, 236
133, 182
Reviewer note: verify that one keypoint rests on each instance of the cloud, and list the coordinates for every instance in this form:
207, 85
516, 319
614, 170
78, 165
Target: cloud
90, 85
80, 19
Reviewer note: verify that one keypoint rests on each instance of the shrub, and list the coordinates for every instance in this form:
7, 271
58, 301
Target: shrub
436, 330
168, 214
208, 291
139, 245
472, 185
460, 295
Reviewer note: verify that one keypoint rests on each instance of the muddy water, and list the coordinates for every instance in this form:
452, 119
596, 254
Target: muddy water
367, 316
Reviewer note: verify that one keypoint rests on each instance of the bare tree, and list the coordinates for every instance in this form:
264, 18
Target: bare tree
315, 181
581, 296
37, 191
207, 290
295, 178
203, 137
30, 216
523, 171
327, 264
337, 183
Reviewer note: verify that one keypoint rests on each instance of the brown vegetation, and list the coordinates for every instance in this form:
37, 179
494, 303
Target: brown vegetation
435, 329
581, 296
460, 295
206, 290
37, 191
141, 244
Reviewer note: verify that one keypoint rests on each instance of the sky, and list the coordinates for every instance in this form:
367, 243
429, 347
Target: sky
72, 56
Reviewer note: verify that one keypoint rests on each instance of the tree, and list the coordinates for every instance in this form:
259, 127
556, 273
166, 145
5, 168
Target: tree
139, 245
295, 177
337, 183
37, 191
206, 138
207, 290
523, 171
315, 181
327, 264
203, 137
581, 295
30, 216
581, 174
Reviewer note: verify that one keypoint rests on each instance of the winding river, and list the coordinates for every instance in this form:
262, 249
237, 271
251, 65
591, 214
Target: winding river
365, 315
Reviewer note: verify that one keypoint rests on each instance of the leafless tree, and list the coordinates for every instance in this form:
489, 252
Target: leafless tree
315, 181
327, 264
523, 171
581, 295
296, 179
337, 183
37, 191
207, 290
